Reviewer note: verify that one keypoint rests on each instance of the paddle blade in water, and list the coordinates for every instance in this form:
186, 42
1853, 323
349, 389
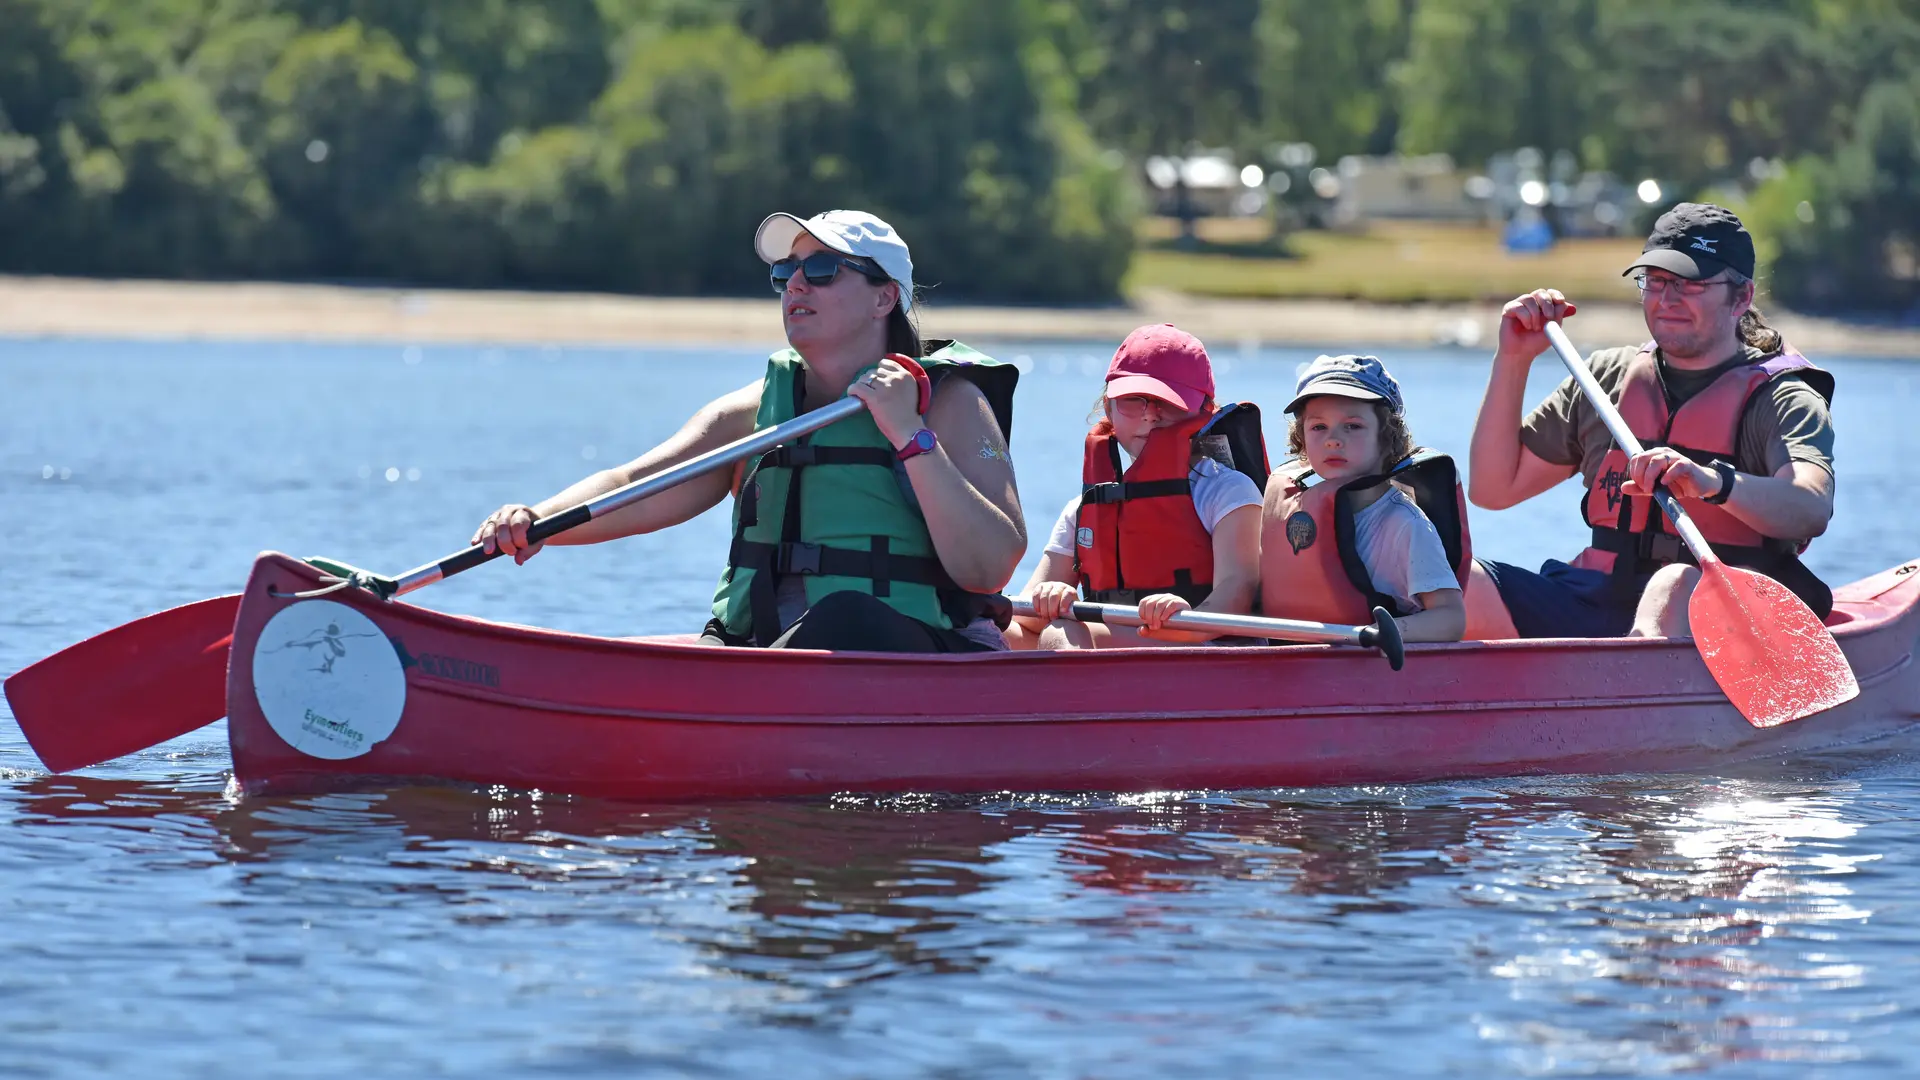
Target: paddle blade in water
127, 689
1771, 655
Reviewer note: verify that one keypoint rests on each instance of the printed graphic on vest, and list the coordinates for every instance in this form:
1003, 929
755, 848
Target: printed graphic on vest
327, 680
1301, 531
1083, 537
1609, 482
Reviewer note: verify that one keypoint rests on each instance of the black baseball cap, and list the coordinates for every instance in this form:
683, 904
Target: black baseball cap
1698, 240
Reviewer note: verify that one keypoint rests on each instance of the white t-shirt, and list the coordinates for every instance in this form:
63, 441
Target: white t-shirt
1217, 492
1401, 549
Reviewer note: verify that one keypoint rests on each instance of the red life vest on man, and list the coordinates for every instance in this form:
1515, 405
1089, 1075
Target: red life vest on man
1310, 567
1705, 428
1137, 531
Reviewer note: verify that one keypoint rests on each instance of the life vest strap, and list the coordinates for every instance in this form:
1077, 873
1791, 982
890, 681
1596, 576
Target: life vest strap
803, 455
1187, 590
1101, 494
1666, 547
877, 565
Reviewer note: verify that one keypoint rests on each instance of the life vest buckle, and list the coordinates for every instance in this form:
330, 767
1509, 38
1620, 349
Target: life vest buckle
797, 558
1661, 547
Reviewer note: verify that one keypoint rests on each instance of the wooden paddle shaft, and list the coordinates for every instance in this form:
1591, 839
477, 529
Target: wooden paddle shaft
552, 525
1682, 523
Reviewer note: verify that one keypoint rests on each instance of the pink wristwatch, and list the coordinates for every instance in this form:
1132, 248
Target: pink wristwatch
918, 443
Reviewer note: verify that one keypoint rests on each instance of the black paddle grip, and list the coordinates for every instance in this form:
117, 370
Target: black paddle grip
538, 531
1087, 613
1384, 635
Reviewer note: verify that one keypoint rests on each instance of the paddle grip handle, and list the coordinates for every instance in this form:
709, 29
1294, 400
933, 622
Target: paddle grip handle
1384, 635
1622, 434
552, 525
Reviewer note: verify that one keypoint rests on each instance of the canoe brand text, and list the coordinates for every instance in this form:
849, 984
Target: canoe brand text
459, 670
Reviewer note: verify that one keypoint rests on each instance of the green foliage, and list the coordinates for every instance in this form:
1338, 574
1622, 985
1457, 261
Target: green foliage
634, 144
1483, 76
1847, 228
1325, 73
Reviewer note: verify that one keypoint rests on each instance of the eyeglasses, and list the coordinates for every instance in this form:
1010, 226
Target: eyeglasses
1647, 283
820, 268
1136, 407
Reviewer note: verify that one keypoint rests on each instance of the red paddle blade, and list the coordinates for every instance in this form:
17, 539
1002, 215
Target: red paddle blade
127, 689
1772, 656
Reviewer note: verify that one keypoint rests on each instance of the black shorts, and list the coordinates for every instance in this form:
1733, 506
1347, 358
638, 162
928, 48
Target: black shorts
1562, 600
857, 621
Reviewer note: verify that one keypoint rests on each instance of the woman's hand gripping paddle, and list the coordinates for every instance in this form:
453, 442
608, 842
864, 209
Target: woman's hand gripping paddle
1384, 634
161, 676
1773, 658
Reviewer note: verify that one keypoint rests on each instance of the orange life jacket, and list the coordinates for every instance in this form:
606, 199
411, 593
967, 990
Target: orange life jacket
1137, 532
1310, 567
1632, 537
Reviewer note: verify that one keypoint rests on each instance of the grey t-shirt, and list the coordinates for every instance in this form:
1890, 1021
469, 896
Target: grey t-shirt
1403, 552
1787, 421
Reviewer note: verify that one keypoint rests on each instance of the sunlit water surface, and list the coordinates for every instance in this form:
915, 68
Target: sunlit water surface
1758, 924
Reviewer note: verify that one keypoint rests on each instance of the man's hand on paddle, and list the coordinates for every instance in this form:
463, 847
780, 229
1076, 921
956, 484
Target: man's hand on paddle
1665, 465
1523, 323
506, 530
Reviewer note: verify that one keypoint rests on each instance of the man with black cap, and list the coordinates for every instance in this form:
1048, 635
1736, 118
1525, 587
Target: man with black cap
1734, 422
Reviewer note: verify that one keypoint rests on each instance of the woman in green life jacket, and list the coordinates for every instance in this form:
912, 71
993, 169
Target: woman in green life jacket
888, 531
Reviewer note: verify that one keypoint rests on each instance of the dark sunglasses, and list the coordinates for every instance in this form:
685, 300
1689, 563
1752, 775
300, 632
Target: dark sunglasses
820, 268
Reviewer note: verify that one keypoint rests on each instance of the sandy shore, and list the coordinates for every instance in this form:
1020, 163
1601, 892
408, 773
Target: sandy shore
38, 307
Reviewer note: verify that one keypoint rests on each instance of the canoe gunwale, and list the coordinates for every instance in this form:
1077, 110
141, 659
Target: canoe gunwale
839, 720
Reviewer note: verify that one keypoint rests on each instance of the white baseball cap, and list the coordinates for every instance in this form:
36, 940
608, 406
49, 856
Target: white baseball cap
849, 232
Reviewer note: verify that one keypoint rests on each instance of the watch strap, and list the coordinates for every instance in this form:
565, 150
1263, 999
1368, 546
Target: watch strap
1727, 473
920, 442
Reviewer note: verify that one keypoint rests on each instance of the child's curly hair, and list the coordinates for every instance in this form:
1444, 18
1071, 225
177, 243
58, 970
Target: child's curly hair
1396, 440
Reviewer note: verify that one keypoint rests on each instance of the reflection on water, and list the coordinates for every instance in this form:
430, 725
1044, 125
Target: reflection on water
1606, 927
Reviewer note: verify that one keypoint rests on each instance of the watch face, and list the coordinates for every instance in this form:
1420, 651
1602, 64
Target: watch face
923, 439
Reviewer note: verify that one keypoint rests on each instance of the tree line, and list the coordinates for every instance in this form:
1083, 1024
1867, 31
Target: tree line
632, 144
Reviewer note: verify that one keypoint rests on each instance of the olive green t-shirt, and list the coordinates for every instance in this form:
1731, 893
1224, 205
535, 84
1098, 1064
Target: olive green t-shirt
1786, 421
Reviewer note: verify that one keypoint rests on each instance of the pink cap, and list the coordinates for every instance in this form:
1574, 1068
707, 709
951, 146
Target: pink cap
1165, 362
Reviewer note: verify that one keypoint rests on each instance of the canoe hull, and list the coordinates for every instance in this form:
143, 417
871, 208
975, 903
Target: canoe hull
494, 704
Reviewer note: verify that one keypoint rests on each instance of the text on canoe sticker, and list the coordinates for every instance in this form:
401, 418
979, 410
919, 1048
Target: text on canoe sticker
327, 680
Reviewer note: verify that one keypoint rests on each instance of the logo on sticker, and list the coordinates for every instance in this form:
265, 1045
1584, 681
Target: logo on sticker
1084, 537
327, 680
1301, 531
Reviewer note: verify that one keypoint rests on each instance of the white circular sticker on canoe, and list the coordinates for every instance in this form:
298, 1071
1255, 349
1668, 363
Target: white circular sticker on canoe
328, 680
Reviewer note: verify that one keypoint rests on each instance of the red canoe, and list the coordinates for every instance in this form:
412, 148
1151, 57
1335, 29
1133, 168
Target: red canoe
337, 689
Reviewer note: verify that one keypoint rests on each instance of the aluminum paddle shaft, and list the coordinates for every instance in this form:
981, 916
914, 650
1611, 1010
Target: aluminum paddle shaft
1384, 634
553, 525
1695, 540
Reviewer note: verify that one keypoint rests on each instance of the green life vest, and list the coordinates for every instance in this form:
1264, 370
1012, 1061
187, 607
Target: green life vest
858, 526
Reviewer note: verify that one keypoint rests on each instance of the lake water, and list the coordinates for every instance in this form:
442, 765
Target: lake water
153, 925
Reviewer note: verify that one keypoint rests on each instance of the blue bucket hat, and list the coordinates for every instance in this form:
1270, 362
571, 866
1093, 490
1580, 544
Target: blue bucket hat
1362, 377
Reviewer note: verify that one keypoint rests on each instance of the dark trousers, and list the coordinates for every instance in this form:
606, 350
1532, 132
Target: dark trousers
856, 621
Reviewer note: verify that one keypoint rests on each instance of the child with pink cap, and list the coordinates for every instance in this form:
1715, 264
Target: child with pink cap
1168, 517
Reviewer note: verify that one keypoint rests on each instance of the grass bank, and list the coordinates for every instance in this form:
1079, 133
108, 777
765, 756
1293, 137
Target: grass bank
1391, 262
